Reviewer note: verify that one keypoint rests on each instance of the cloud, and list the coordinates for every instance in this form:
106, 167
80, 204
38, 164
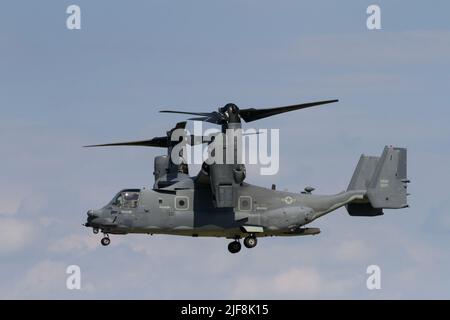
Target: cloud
46, 280
10, 200
15, 234
74, 243
294, 283
302, 281
33, 204
43, 278
351, 250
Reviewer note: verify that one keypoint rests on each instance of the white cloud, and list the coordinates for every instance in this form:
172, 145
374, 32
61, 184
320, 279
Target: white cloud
301, 281
42, 278
10, 201
75, 242
351, 250
33, 204
294, 283
46, 279
15, 234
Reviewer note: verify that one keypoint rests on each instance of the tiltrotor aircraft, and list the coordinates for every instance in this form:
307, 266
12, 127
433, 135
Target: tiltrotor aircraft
217, 202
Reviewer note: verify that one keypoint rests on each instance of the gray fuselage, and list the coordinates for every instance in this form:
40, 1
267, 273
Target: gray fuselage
187, 209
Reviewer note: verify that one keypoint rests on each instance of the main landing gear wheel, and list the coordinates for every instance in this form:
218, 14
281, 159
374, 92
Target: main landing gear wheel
250, 242
234, 247
105, 241
95, 230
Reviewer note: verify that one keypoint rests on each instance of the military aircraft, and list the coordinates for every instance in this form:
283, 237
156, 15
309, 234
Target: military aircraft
217, 202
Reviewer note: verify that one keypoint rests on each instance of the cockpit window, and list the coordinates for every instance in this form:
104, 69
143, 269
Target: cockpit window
127, 199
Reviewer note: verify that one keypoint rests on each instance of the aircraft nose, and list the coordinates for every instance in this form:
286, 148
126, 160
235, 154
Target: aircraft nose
98, 218
92, 214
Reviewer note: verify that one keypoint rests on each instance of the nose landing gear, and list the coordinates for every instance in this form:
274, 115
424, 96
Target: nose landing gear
105, 240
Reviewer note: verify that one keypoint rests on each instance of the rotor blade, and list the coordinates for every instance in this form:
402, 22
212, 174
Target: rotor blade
199, 119
212, 117
204, 114
160, 142
252, 114
216, 118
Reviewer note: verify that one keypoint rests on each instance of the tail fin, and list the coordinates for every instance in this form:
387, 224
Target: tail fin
384, 179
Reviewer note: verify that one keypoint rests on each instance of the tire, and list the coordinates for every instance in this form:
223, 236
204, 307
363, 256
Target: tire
234, 247
105, 241
250, 242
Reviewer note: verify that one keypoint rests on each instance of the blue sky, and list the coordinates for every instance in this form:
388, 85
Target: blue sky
62, 89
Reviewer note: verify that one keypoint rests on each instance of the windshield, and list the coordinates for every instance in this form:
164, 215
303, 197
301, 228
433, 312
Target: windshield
127, 199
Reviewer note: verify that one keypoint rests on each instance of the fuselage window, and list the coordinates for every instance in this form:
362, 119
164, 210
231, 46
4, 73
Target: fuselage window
127, 199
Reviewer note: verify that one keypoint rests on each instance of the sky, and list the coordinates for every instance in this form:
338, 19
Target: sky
61, 89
